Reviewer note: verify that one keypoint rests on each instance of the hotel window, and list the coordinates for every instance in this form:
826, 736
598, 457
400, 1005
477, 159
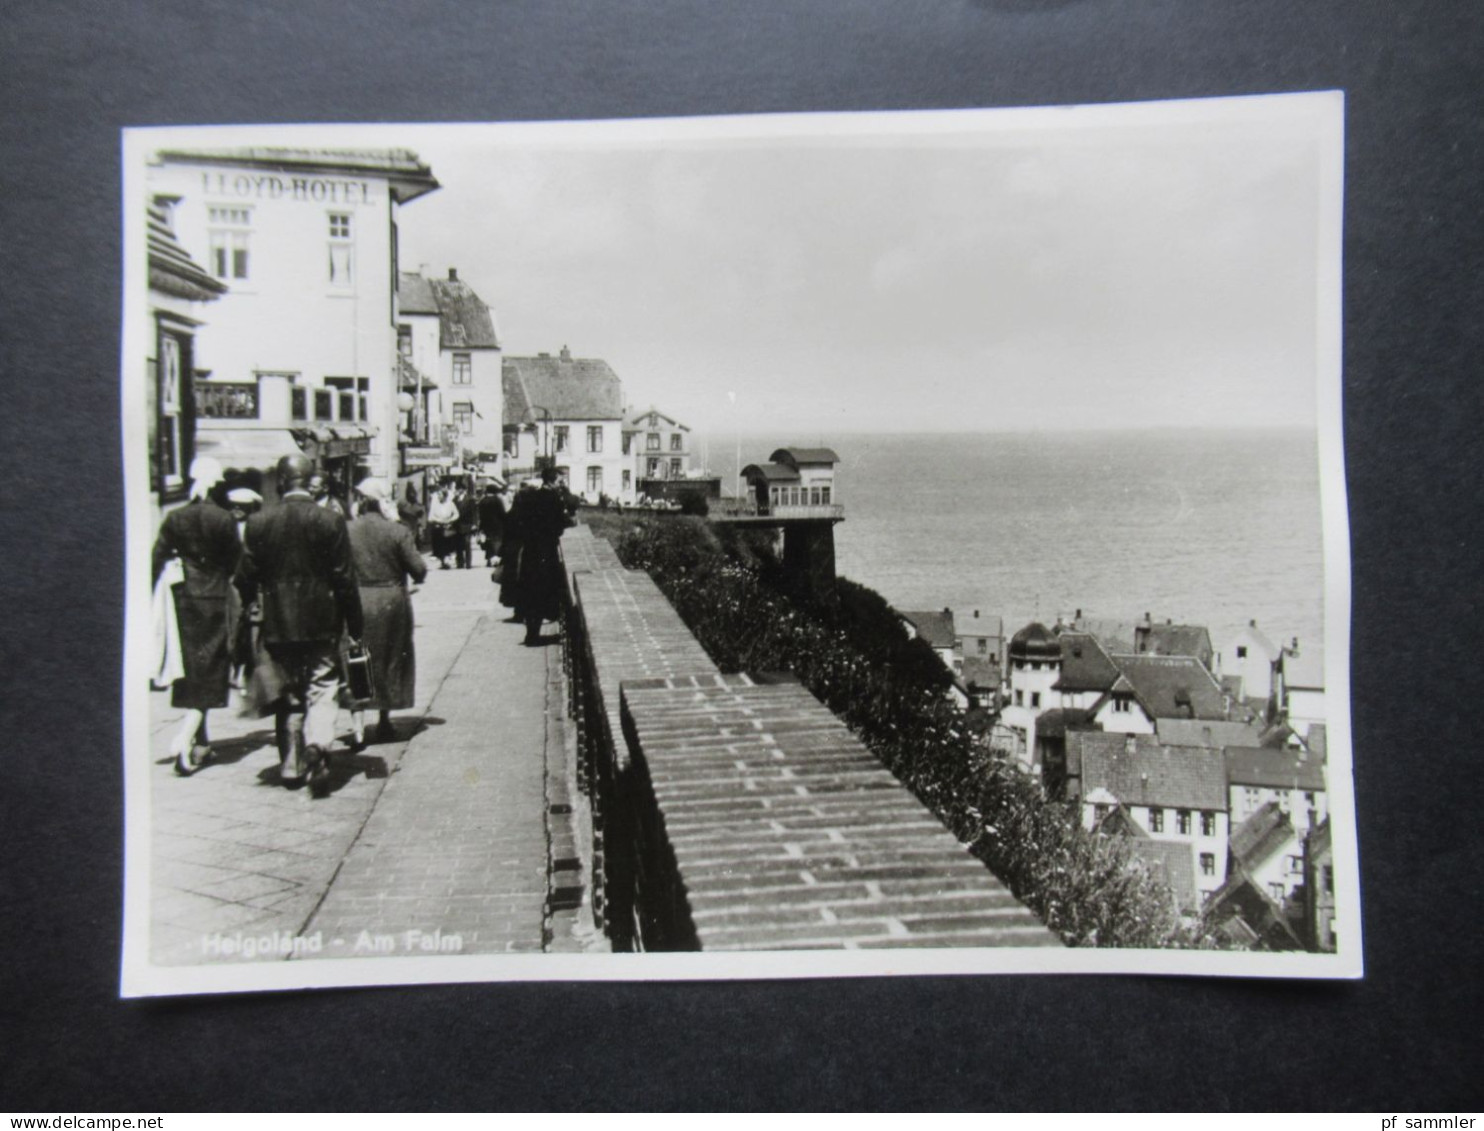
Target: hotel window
1208, 824
594, 438
340, 250
463, 417
324, 404
652, 442
675, 442
299, 403
1182, 821
594, 480
1156, 820
228, 237
463, 370
824, 496
1208, 863
171, 454
353, 397
561, 432
814, 496
674, 469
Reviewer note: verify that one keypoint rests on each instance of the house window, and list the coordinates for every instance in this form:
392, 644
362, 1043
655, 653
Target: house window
171, 437
814, 496
463, 372
463, 417
340, 249
1120, 704
654, 469
628, 442
512, 443
1099, 811
628, 479
652, 442
1241, 651
353, 396
1295, 865
324, 404
982, 644
1208, 824
404, 341
1208, 863
1035, 698
824, 495
1019, 697
1329, 880
1182, 821
674, 469
1156, 820
676, 442
299, 403
1275, 889
594, 439
230, 229
561, 431
594, 480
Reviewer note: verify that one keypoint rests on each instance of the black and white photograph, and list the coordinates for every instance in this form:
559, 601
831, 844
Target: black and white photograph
771, 546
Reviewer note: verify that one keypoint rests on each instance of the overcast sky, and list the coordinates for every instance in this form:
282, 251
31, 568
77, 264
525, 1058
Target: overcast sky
906, 272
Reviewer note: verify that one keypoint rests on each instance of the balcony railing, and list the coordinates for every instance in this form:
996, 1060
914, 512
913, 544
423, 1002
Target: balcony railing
751, 508
224, 401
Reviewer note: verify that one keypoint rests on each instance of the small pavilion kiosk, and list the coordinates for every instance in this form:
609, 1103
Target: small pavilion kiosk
795, 492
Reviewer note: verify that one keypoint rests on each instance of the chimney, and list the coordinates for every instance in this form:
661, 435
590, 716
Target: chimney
1079, 615
976, 614
453, 274
566, 354
947, 612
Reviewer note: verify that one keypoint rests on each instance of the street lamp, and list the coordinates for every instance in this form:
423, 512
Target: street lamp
544, 458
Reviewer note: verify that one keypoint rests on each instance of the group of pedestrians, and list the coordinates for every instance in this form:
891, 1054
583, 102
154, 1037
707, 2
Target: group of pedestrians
284, 589
456, 516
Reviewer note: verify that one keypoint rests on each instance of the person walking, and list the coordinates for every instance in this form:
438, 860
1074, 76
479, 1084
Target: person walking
443, 521
491, 522
319, 490
296, 562
468, 524
199, 542
510, 545
411, 512
385, 560
543, 517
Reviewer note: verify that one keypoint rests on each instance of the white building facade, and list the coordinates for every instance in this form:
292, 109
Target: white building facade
306, 242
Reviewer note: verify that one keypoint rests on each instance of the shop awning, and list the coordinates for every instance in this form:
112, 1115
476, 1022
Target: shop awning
246, 448
332, 441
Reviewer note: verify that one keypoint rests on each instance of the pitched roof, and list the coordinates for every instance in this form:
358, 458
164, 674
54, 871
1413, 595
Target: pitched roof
987, 624
935, 627
414, 294
1057, 721
1171, 862
652, 411
772, 472
1113, 635
1085, 664
1206, 732
1261, 836
1137, 770
796, 456
464, 319
568, 388
1172, 687
1274, 767
980, 672
1176, 640
171, 268
407, 177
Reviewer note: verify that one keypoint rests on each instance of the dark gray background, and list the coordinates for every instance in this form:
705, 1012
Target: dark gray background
72, 74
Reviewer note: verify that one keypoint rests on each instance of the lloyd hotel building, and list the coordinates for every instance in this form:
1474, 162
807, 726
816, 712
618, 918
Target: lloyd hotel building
273, 310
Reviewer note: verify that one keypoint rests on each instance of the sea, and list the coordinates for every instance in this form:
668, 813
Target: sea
1198, 527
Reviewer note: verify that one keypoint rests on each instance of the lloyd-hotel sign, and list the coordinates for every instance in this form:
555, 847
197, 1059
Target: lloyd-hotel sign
270, 186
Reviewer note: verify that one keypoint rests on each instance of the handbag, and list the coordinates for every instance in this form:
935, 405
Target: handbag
360, 686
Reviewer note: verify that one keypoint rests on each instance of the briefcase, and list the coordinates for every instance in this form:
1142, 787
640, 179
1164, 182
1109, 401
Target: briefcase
360, 687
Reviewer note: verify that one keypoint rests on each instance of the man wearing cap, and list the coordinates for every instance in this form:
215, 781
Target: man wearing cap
385, 560
296, 562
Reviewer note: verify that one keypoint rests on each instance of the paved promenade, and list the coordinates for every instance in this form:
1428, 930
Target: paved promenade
437, 841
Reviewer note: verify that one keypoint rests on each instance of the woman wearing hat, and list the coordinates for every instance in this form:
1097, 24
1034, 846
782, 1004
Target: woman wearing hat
202, 537
385, 558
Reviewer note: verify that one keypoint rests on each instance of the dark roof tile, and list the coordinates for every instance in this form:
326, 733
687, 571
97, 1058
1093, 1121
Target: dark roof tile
1137, 770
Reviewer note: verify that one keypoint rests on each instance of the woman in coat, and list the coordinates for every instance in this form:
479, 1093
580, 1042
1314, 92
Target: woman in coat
541, 516
385, 559
202, 536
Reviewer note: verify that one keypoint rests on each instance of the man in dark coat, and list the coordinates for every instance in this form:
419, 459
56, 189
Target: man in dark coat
296, 561
541, 516
491, 523
468, 524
